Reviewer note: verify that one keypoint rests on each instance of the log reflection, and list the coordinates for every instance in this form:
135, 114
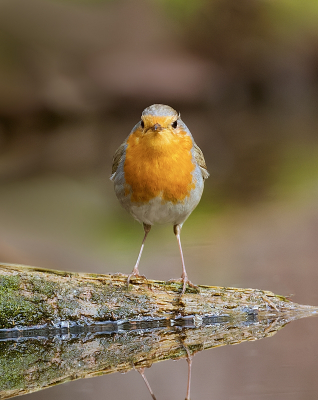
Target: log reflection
36, 359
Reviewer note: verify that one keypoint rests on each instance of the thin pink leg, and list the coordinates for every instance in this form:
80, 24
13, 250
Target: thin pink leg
189, 361
135, 271
142, 373
184, 276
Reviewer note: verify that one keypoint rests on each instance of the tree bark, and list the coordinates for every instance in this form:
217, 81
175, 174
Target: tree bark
60, 326
33, 297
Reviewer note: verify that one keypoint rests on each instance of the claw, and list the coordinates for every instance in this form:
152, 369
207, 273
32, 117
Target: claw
186, 282
136, 275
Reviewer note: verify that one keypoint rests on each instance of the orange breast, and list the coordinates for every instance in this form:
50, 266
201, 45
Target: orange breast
159, 163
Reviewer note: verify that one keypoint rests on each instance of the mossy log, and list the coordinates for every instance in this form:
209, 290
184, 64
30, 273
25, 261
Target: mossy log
60, 326
37, 362
34, 297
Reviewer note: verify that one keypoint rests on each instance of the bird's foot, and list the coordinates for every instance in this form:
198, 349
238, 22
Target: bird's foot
136, 274
185, 281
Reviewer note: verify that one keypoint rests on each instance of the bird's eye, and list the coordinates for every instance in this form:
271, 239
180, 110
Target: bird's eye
142, 124
174, 124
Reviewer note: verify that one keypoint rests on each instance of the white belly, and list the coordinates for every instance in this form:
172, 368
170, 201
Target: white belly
158, 212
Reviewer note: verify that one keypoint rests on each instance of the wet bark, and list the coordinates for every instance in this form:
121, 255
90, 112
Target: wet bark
31, 297
60, 326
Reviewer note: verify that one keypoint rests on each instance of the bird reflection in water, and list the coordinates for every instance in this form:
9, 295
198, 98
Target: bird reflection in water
189, 361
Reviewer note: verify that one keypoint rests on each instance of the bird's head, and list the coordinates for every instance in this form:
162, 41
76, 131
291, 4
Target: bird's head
160, 118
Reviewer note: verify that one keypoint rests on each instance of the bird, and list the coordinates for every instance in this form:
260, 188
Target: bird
158, 174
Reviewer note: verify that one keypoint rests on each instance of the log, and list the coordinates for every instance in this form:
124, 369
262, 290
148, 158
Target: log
60, 326
35, 297
32, 362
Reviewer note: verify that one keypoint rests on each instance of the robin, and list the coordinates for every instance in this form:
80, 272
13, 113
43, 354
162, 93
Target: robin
158, 174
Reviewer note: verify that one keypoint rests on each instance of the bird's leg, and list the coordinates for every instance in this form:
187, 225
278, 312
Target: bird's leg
184, 276
189, 361
142, 373
135, 271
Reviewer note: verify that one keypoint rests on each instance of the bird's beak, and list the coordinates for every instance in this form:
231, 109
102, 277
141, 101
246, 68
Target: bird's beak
157, 127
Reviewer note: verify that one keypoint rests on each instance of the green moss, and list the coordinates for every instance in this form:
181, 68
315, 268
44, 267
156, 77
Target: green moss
43, 286
9, 283
67, 309
16, 310
104, 313
17, 359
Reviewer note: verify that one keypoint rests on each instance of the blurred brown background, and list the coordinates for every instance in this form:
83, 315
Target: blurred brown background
74, 79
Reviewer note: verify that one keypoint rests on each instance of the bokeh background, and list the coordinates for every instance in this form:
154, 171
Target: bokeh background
74, 79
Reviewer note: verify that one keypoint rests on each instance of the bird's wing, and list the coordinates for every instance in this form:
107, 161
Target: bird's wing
118, 157
199, 158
